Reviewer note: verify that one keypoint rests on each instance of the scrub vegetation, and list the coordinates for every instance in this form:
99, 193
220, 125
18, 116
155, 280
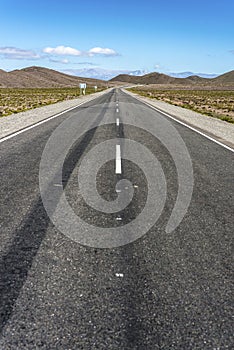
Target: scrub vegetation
15, 100
214, 103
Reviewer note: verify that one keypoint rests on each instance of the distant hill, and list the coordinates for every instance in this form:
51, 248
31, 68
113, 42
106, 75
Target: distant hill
151, 78
158, 78
38, 77
225, 78
100, 73
189, 74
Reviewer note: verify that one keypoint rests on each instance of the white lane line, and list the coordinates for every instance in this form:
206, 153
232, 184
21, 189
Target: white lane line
117, 110
117, 121
197, 131
182, 123
5, 138
118, 168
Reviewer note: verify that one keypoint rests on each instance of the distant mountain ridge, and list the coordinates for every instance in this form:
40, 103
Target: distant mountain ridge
189, 74
39, 77
103, 74
107, 74
159, 78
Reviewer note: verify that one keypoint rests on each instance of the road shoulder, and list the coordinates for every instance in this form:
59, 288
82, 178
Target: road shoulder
16, 122
219, 130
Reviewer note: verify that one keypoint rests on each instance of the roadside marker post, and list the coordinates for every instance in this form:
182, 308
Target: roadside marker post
82, 88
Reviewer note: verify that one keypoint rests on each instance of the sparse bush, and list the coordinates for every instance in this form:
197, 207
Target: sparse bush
18, 100
214, 103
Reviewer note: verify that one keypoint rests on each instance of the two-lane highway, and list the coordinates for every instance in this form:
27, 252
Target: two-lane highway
158, 289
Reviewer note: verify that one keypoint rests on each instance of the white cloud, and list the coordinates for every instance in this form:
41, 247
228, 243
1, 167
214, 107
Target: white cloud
62, 50
102, 51
18, 54
70, 51
65, 61
86, 63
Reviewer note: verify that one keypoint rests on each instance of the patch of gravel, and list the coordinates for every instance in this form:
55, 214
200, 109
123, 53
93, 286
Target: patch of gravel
16, 122
220, 130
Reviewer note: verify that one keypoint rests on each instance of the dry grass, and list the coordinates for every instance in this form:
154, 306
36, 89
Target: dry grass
19, 100
214, 103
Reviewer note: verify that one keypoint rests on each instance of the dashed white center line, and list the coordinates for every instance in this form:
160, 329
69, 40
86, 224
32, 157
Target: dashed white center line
117, 121
117, 110
118, 168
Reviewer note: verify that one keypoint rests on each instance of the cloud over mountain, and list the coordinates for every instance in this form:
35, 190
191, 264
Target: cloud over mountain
70, 51
62, 50
10, 52
102, 51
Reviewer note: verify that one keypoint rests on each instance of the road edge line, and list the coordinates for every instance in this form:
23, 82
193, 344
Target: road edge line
20, 131
182, 123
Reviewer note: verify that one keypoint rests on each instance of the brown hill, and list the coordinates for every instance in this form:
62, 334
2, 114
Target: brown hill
38, 77
225, 78
163, 79
153, 78
196, 79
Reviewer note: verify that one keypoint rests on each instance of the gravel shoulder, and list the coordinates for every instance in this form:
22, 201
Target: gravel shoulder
218, 129
15, 122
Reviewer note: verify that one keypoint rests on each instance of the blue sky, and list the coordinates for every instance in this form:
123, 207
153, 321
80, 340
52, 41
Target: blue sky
159, 35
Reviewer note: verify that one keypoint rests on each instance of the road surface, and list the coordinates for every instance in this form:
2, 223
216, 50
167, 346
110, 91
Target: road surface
162, 290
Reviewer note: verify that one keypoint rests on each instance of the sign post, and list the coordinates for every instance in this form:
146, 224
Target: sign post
82, 88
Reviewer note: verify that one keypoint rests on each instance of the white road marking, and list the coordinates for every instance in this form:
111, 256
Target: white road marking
118, 168
182, 123
117, 110
119, 219
117, 121
5, 138
119, 274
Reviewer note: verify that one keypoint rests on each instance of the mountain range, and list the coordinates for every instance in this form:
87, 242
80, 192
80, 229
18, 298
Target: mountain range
189, 74
159, 78
102, 74
39, 77
107, 74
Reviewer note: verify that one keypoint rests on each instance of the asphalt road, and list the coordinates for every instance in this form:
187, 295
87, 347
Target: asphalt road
164, 290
